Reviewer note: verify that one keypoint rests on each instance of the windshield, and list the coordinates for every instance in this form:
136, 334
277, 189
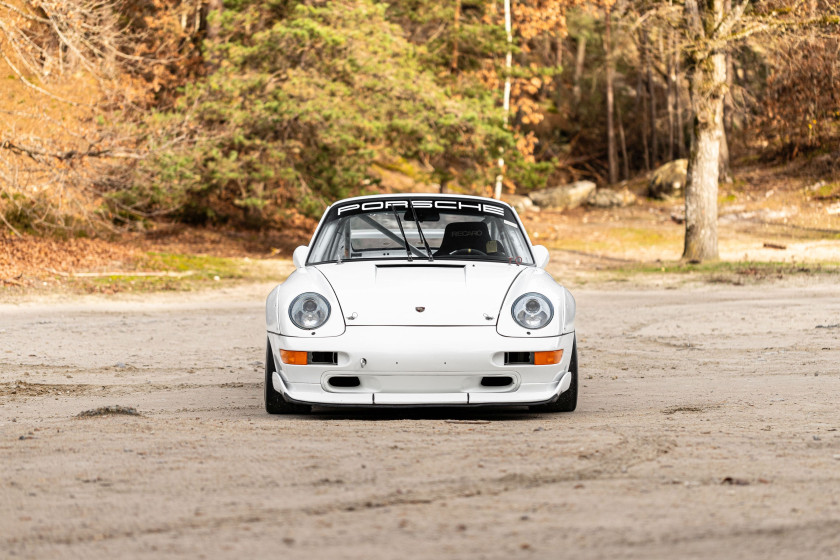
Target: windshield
451, 229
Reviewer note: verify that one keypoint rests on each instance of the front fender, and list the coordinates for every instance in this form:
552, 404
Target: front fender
538, 280
307, 279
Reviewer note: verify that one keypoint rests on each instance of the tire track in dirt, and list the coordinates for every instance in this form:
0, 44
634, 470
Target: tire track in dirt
28, 389
631, 450
808, 534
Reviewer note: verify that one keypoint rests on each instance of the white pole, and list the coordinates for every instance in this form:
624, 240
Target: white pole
506, 103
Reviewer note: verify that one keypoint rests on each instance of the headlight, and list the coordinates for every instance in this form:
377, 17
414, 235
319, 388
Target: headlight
532, 311
309, 311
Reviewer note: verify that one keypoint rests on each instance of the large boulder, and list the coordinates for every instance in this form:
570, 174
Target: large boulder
402, 176
520, 203
669, 180
564, 196
608, 198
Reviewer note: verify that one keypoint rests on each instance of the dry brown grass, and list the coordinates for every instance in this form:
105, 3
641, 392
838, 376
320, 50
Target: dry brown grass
40, 191
63, 78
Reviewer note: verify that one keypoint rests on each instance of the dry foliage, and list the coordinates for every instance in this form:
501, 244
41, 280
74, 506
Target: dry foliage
80, 81
75, 75
801, 109
28, 257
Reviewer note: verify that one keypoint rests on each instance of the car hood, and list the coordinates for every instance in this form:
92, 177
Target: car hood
449, 294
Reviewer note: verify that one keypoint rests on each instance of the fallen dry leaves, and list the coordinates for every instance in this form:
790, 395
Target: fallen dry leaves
27, 257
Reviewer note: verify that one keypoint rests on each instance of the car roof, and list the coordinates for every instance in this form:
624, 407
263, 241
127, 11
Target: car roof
418, 195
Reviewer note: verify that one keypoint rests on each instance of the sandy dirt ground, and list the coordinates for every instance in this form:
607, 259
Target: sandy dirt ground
708, 426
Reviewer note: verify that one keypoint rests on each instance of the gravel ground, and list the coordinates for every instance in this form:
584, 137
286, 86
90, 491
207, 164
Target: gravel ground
707, 426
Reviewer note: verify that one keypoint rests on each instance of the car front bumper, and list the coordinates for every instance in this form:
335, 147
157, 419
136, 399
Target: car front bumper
417, 366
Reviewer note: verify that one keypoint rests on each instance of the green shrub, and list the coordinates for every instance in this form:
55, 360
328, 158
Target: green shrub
301, 102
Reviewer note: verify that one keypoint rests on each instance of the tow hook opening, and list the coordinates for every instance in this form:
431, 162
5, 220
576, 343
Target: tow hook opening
496, 381
344, 381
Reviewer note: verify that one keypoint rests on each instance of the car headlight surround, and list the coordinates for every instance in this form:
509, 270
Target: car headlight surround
532, 311
309, 311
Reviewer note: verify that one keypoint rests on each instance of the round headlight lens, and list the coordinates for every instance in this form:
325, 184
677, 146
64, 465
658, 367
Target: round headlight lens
309, 311
532, 311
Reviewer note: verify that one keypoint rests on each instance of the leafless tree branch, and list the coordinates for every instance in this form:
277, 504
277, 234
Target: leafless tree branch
67, 155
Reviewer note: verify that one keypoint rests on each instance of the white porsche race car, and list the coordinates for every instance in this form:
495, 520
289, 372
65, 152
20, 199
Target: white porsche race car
420, 300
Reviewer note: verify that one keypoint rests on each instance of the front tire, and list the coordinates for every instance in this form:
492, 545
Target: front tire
274, 401
567, 401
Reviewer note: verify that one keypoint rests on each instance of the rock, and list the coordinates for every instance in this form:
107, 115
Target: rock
520, 203
669, 180
109, 410
563, 197
732, 481
400, 175
608, 198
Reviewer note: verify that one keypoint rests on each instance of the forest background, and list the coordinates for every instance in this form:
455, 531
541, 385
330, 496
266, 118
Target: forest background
120, 115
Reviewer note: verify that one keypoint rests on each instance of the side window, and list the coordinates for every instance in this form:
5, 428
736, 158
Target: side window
323, 248
517, 247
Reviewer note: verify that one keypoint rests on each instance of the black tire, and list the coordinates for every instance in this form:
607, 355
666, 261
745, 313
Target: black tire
274, 401
567, 401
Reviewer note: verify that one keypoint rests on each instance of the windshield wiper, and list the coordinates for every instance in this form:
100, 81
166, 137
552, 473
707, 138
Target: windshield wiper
420, 231
405, 239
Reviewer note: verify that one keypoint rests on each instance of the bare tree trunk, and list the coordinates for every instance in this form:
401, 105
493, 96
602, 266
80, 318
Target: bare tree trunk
729, 99
654, 155
558, 63
724, 169
725, 172
641, 107
678, 93
642, 99
623, 142
580, 57
497, 190
669, 95
691, 137
214, 13
701, 192
707, 82
457, 29
612, 156
214, 7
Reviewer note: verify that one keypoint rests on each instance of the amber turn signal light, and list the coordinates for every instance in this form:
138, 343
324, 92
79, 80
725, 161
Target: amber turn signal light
547, 358
293, 357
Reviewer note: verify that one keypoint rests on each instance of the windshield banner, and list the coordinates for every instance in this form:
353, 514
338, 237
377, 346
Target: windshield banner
448, 204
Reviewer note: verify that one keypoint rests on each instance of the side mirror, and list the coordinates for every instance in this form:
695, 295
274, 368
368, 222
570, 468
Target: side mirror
299, 256
540, 255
